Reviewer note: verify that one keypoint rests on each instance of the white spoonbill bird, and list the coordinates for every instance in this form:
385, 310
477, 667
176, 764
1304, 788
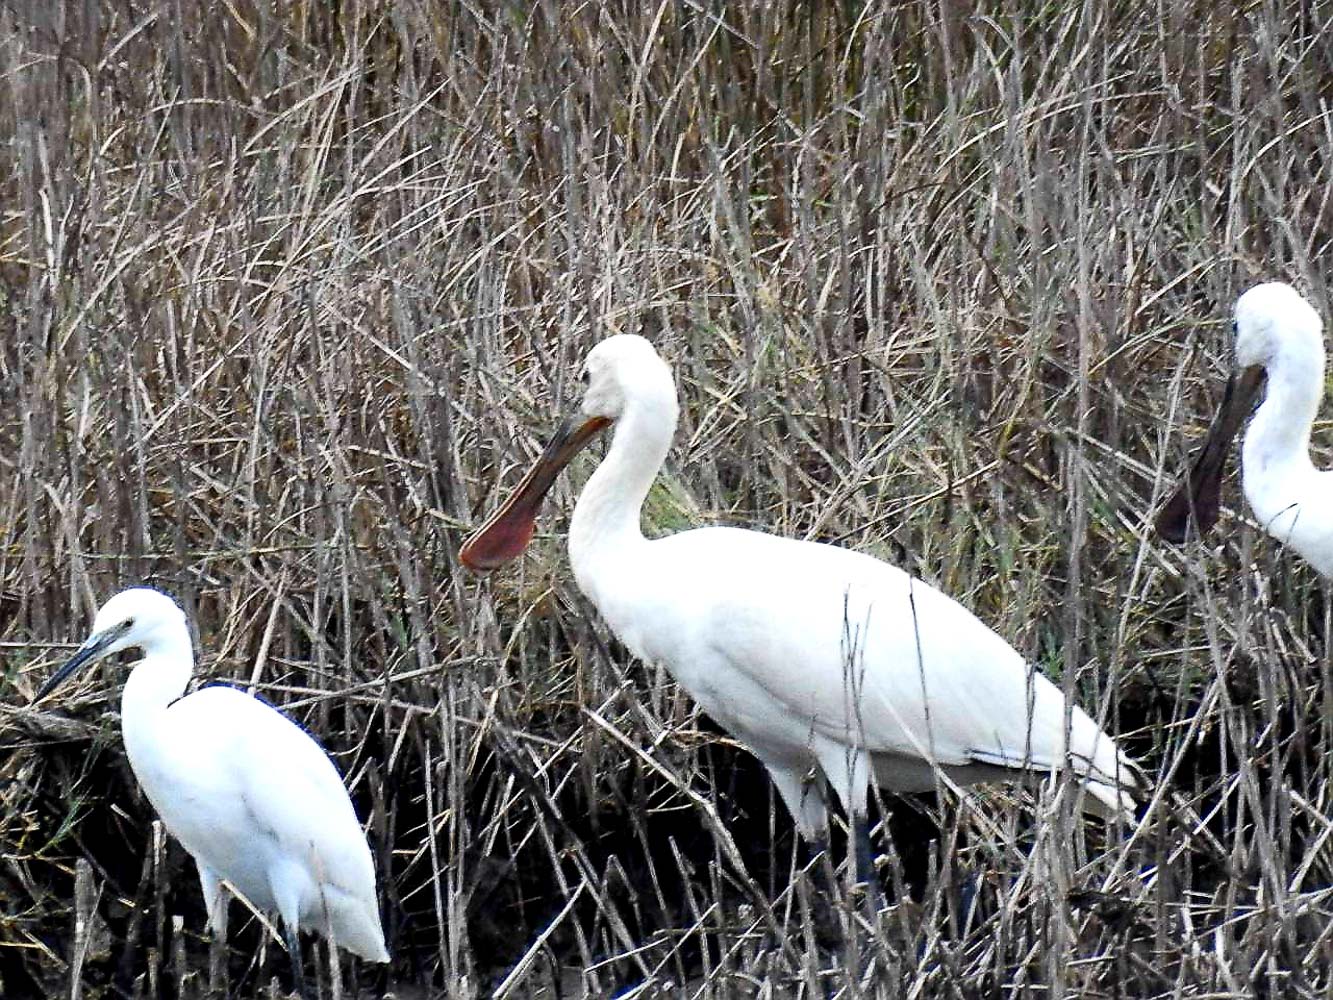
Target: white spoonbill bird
1280, 334
245, 789
815, 657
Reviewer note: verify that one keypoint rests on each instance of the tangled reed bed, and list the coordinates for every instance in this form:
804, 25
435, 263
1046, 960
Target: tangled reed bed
289, 293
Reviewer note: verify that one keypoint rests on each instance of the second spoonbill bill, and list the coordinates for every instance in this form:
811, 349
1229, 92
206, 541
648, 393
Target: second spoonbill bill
820, 659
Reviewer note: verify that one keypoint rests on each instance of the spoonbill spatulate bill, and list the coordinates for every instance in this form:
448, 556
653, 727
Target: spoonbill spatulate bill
819, 659
244, 788
1278, 335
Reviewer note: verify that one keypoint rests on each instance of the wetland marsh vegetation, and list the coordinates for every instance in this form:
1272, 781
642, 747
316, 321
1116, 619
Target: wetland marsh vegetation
290, 293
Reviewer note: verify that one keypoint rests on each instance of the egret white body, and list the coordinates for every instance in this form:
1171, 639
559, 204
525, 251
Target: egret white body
1278, 334
813, 656
245, 789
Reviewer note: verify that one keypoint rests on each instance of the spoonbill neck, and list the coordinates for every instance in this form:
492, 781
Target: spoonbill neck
1279, 434
606, 517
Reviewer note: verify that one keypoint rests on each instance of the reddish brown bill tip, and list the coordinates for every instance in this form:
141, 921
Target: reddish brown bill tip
497, 543
509, 530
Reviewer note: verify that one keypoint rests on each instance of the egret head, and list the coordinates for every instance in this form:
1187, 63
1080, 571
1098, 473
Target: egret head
621, 372
137, 617
1273, 320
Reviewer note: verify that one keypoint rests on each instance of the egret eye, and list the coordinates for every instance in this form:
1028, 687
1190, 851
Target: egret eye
127, 624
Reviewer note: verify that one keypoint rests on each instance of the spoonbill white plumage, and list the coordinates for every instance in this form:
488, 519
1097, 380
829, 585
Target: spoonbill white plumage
1278, 333
813, 656
245, 789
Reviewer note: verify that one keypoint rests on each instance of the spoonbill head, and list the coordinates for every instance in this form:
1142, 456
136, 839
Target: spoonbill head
821, 660
1279, 343
247, 791
623, 371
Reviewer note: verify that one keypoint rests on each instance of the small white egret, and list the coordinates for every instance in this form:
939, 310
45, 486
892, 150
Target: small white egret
247, 791
1280, 334
815, 657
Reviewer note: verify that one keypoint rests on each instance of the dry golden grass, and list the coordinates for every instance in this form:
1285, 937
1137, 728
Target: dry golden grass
289, 294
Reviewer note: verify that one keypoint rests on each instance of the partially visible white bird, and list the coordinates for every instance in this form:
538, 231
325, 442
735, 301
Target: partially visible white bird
815, 657
1278, 333
247, 791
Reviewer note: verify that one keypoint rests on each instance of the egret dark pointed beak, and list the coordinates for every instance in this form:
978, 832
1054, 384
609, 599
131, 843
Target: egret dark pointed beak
1198, 499
87, 653
507, 532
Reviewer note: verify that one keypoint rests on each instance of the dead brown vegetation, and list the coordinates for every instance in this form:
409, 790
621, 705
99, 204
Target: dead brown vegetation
288, 293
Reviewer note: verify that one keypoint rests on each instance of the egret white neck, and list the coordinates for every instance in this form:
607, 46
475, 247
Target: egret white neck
155, 682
